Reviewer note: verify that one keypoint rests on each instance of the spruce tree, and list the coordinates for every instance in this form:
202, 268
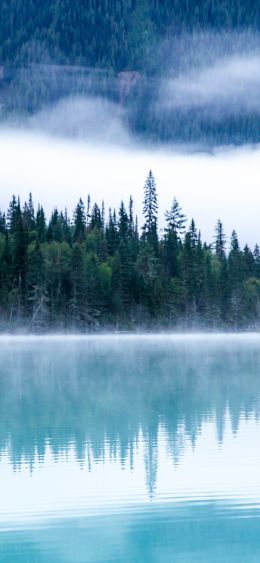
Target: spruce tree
131, 226
175, 219
79, 222
77, 302
41, 224
220, 241
28, 213
2, 223
12, 214
111, 232
248, 261
96, 219
256, 255
20, 257
235, 281
123, 223
170, 254
150, 211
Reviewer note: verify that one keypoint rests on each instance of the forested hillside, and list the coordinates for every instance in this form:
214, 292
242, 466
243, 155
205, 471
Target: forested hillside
100, 271
183, 71
110, 34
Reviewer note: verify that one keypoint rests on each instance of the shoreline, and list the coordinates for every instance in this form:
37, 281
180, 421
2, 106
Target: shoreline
188, 335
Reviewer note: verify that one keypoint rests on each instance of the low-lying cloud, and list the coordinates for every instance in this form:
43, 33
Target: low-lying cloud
93, 119
217, 74
206, 93
83, 146
230, 85
224, 184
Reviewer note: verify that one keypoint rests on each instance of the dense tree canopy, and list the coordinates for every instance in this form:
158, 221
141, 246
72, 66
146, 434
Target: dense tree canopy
109, 34
124, 51
94, 271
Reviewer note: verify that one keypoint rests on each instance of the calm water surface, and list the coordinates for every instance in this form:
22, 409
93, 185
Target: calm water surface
135, 449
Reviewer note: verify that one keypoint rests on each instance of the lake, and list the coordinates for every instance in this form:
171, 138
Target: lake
130, 449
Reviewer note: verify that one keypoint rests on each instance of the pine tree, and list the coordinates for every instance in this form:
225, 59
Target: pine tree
131, 226
256, 255
66, 227
188, 261
28, 213
220, 242
2, 223
170, 254
36, 282
88, 215
150, 211
41, 224
77, 303
12, 214
248, 261
123, 223
6, 275
235, 263
175, 219
111, 232
96, 220
235, 281
55, 227
7, 259
194, 237
79, 222
20, 256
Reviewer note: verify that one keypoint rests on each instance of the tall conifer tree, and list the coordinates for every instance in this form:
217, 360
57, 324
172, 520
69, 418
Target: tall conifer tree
150, 211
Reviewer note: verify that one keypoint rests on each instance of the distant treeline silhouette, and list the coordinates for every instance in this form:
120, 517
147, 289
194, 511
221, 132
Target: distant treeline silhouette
96, 271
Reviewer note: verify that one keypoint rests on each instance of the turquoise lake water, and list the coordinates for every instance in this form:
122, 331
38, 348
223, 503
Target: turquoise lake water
132, 449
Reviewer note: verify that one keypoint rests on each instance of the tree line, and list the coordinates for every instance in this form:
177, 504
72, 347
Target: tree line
99, 271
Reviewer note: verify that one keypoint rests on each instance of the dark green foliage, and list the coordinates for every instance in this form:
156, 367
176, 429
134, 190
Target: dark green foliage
79, 222
108, 33
220, 242
57, 48
77, 303
41, 224
175, 219
93, 273
150, 211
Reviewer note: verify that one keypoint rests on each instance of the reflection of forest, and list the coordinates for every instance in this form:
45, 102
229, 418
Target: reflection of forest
98, 394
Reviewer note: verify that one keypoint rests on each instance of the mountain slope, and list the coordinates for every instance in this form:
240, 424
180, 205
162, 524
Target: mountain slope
107, 33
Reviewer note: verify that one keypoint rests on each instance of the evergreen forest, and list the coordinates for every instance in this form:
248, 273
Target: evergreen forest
108, 34
99, 271
128, 52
